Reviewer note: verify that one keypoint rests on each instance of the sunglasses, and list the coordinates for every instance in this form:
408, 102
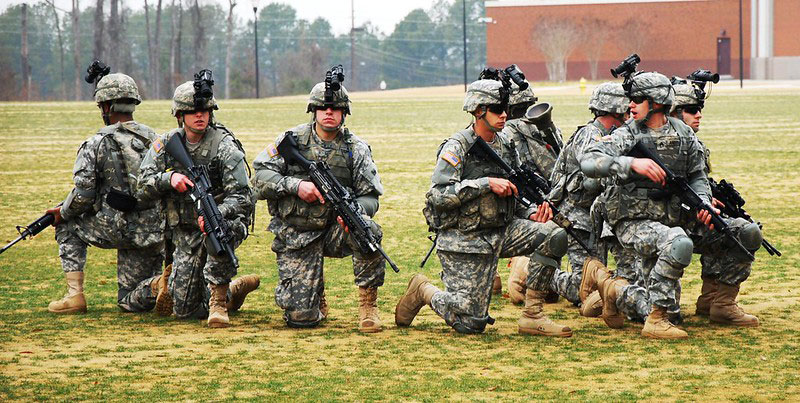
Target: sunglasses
638, 100
497, 109
693, 109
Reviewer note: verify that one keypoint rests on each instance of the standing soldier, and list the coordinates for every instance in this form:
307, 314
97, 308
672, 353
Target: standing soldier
200, 283
305, 226
573, 193
653, 223
101, 211
472, 206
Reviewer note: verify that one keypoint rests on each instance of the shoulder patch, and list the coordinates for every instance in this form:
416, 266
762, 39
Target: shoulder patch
158, 145
451, 158
272, 150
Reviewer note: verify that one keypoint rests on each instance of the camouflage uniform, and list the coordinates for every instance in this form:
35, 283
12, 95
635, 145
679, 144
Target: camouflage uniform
530, 143
573, 193
305, 233
110, 160
194, 269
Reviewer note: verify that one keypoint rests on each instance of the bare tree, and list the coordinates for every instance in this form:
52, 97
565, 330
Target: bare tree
113, 34
153, 49
229, 49
175, 45
26, 66
557, 39
199, 37
52, 5
633, 36
99, 27
76, 48
596, 33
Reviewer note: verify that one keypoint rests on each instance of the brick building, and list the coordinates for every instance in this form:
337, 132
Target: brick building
674, 37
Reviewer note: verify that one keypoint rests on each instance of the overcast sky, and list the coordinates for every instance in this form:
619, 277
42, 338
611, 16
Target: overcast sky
383, 13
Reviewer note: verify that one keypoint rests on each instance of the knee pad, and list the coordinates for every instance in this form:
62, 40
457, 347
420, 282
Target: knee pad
681, 250
557, 243
470, 324
751, 236
303, 319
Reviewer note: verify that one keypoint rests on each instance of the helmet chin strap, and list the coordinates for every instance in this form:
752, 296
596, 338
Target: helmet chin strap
651, 111
106, 113
488, 125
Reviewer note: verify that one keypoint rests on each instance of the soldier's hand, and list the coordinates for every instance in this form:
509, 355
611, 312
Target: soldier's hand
341, 222
502, 187
705, 217
543, 213
716, 203
649, 168
180, 182
56, 212
202, 224
309, 193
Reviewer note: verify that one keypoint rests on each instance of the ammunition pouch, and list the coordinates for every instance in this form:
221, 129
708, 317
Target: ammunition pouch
121, 201
486, 211
302, 215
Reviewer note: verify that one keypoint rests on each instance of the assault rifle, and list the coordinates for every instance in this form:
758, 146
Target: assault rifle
32, 229
680, 186
333, 192
532, 188
216, 227
733, 201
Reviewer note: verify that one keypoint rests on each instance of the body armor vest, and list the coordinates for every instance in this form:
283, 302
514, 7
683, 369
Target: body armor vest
338, 155
488, 210
639, 197
568, 179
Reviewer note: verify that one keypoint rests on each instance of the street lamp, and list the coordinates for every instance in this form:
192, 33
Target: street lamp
255, 44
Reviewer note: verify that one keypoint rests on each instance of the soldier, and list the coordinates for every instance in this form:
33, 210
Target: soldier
573, 193
101, 211
653, 223
537, 151
472, 207
200, 283
305, 227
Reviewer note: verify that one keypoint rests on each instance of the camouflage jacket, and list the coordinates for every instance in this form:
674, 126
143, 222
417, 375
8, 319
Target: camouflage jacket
225, 159
532, 148
469, 217
573, 193
350, 160
632, 196
110, 160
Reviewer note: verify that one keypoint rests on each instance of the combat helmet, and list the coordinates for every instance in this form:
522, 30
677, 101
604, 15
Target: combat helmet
608, 97
183, 100
120, 90
686, 95
484, 92
316, 99
653, 86
520, 97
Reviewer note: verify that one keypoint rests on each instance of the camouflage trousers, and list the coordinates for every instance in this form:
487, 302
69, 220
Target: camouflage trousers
566, 284
719, 258
467, 277
136, 266
194, 270
301, 257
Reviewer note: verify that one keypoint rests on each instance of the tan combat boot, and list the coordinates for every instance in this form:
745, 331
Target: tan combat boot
518, 279
533, 320
497, 284
368, 320
707, 293
726, 311
160, 289
658, 326
240, 288
592, 307
217, 306
74, 301
323, 305
594, 272
609, 290
418, 294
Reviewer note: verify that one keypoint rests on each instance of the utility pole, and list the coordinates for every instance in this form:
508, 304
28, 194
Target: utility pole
352, 43
741, 48
255, 29
464, 4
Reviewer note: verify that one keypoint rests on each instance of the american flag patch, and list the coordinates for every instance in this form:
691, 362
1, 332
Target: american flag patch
451, 158
158, 145
272, 150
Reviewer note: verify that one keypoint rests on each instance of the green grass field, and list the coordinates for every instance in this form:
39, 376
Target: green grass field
754, 135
